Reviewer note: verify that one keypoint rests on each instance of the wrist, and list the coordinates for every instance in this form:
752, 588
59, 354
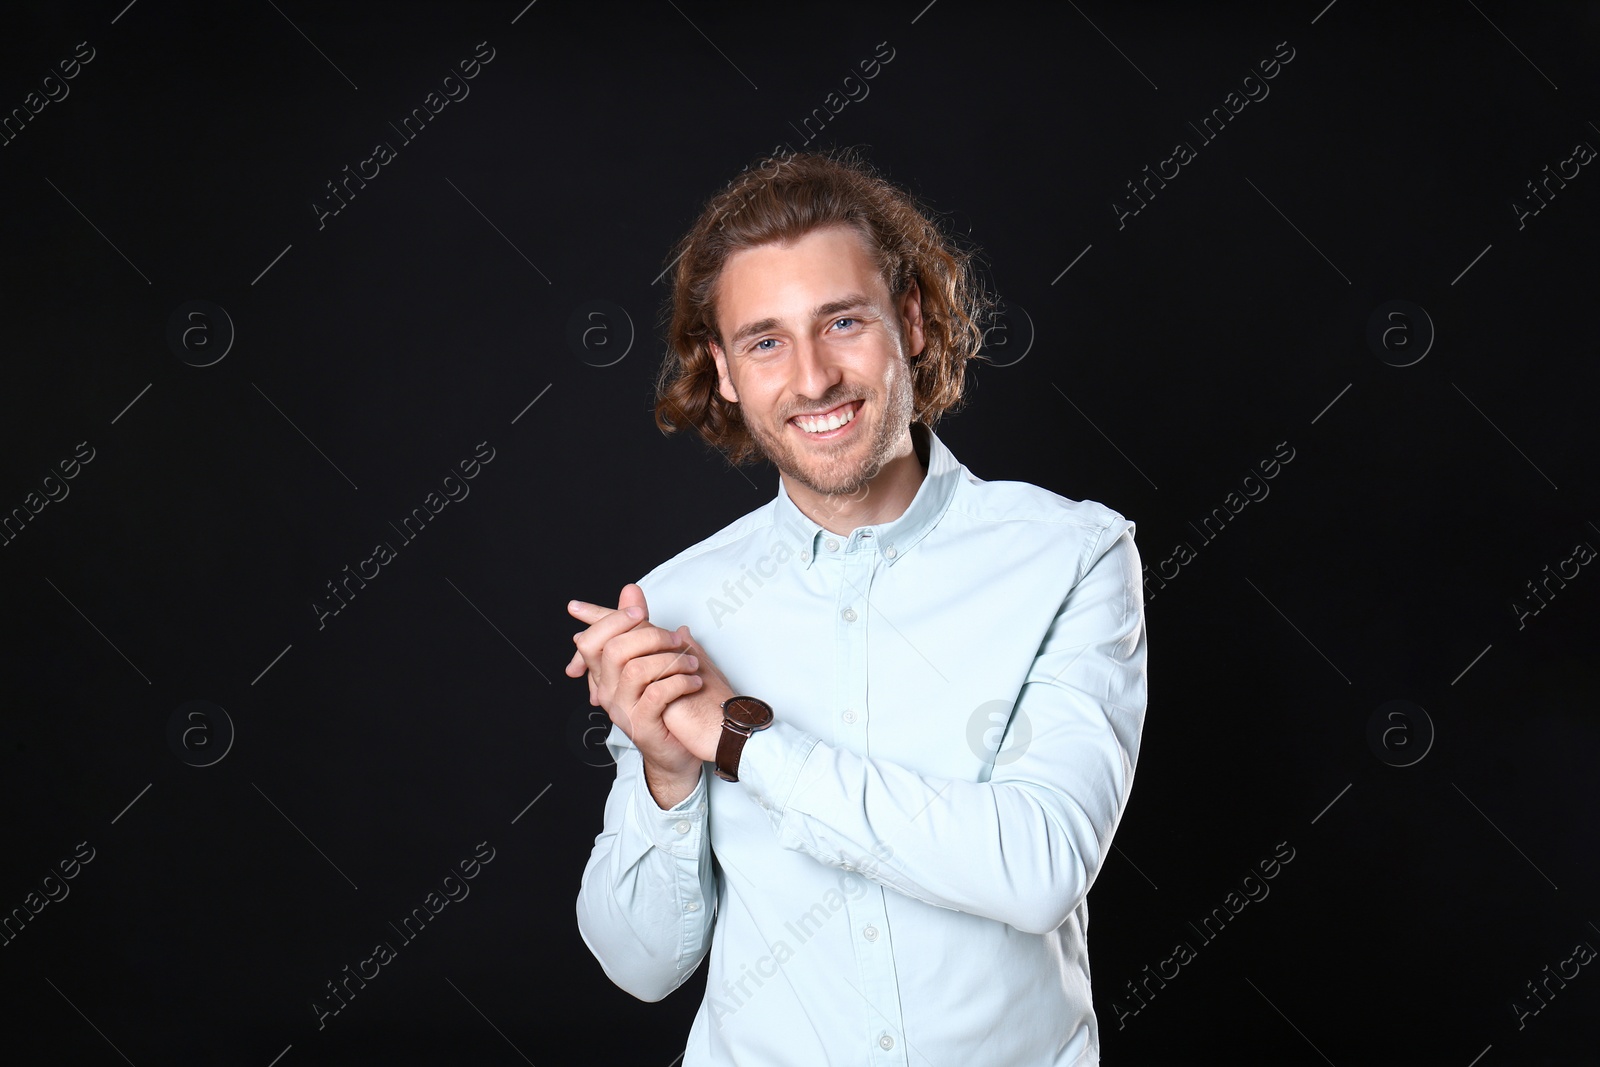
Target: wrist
696, 721
668, 788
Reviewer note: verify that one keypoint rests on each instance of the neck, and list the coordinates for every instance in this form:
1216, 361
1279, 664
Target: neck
883, 499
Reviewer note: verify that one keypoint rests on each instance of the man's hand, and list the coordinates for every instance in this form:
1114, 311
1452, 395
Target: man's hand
635, 670
645, 678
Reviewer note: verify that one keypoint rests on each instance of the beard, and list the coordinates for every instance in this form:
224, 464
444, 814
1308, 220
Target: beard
843, 468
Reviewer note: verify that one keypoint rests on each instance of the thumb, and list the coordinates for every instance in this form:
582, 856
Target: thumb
633, 597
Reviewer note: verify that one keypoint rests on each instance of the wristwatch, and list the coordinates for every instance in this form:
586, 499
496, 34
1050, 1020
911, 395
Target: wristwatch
741, 717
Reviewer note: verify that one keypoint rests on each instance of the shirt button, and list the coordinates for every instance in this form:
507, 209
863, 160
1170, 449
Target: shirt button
886, 1042
849, 715
891, 551
871, 934
849, 614
846, 868
833, 546
805, 556
682, 826
691, 906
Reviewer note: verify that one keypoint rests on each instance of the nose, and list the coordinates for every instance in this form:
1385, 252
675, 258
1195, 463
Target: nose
815, 372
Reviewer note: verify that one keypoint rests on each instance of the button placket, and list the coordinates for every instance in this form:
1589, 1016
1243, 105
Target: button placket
870, 934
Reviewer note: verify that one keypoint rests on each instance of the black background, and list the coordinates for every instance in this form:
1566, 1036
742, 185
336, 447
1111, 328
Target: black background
372, 354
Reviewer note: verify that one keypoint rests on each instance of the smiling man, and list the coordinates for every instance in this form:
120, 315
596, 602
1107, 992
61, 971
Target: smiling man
871, 772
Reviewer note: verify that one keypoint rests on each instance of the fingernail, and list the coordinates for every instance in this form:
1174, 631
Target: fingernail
693, 662
634, 613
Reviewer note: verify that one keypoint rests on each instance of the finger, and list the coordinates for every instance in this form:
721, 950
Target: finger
604, 624
690, 644
638, 674
642, 670
658, 694
633, 597
584, 611
643, 640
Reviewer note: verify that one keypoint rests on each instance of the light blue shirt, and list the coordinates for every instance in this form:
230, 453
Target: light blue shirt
899, 875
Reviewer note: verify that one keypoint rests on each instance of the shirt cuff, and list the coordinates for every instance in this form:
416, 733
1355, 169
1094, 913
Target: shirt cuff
770, 765
679, 830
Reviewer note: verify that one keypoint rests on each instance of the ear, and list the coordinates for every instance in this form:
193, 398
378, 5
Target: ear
911, 315
724, 379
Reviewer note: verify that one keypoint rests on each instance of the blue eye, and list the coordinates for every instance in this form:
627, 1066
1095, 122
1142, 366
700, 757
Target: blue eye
845, 319
757, 346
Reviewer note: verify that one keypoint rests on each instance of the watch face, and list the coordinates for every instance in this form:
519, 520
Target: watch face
748, 711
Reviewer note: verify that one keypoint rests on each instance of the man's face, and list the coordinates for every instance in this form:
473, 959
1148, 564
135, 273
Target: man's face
813, 337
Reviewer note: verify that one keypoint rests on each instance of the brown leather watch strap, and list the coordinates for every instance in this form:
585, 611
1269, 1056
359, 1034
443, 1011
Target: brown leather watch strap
730, 746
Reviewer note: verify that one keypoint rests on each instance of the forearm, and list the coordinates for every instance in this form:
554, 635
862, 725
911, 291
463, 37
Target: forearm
1016, 852
647, 897
1023, 847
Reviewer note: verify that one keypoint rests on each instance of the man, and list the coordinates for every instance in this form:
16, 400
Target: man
884, 844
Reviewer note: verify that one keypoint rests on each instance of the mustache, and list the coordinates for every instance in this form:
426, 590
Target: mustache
824, 405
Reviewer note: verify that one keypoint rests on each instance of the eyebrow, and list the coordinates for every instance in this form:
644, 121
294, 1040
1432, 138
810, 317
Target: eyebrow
851, 302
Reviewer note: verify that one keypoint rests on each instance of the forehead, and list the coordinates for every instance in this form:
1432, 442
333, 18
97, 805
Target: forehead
785, 280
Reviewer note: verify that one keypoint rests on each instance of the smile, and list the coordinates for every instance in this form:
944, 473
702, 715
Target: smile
829, 421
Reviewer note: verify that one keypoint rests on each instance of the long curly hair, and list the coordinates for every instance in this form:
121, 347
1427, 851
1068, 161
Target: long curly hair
781, 199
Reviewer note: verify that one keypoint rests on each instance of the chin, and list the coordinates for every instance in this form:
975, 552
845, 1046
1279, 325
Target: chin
843, 476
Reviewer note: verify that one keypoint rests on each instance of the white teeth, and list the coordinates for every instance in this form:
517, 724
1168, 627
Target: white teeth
832, 422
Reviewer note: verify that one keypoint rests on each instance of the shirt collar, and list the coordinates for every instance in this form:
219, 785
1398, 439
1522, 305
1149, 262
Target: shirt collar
893, 539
